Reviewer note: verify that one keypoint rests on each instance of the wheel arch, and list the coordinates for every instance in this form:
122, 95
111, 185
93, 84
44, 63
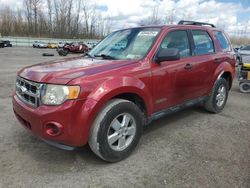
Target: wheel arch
134, 98
227, 76
131, 94
225, 70
128, 88
133, 91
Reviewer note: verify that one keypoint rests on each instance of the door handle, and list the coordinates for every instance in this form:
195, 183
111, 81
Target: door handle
188, 66
217, 60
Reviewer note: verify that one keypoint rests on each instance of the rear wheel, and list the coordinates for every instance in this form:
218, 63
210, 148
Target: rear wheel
116, 130
218, 98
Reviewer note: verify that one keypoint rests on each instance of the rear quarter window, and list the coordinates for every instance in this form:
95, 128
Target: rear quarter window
223, 41
202, 42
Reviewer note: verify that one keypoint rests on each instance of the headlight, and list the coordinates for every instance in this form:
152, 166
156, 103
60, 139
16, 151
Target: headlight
57, 94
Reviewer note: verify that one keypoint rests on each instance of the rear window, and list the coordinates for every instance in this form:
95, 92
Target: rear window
203, 43
223, 41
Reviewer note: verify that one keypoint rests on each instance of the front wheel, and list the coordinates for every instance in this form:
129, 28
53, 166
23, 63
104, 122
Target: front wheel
116, 130
218, 98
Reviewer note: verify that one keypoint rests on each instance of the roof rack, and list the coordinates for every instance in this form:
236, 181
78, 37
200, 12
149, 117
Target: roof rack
186, 22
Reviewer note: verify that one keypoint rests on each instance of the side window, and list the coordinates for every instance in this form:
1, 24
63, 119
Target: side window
223, 41
179, 40
202, 42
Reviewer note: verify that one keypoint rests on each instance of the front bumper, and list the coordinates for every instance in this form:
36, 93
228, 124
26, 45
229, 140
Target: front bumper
74, 116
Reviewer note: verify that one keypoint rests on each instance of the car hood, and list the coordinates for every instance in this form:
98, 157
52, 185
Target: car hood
64, 70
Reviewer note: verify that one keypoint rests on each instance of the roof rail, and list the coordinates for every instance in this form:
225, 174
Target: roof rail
187, 22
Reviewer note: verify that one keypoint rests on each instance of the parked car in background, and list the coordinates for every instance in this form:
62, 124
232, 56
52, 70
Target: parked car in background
244, 50
7, 43
129, 79
1, 44
52, 45
35, 44
61, 44
243, 54
40, 44
75, 47
91, 45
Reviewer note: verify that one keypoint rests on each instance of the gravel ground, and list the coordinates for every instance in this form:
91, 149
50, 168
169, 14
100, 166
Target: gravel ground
191, 148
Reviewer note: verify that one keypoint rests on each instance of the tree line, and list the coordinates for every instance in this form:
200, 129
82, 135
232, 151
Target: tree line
55, 18
78, 19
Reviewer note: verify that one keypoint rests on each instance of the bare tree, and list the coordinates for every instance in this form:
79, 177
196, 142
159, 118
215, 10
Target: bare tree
18, 22
49, 6
69, 15
35, 6
7, 21
61, 18
75, 30
28, 13
32, 8
86, 8
154, 18
93, 20
170, 17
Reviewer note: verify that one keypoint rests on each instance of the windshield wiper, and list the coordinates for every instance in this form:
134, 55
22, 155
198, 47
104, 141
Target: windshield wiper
88, 55
104, 56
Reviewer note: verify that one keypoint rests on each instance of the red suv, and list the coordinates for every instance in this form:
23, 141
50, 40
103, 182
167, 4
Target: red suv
130, 78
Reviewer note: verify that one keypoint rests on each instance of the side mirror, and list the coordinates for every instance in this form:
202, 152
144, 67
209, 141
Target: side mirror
167, 54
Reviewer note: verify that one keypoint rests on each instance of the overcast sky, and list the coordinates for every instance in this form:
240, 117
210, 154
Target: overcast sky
232, 15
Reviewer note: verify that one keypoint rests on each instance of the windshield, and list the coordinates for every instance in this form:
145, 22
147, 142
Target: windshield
126, 44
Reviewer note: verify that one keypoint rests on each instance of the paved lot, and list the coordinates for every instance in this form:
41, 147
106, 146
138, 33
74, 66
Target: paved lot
189, 149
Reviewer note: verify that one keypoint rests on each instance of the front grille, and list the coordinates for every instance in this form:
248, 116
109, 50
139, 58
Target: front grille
28, 91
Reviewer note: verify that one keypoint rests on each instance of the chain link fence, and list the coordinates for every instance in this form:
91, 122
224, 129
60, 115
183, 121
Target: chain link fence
28, 41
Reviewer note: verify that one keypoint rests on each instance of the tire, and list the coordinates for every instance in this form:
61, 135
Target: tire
245, 87
62, 52
47, 54
218, 98
117, 118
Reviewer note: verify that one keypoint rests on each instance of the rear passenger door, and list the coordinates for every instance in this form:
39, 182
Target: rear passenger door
203, 57
194, 79
225, 53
